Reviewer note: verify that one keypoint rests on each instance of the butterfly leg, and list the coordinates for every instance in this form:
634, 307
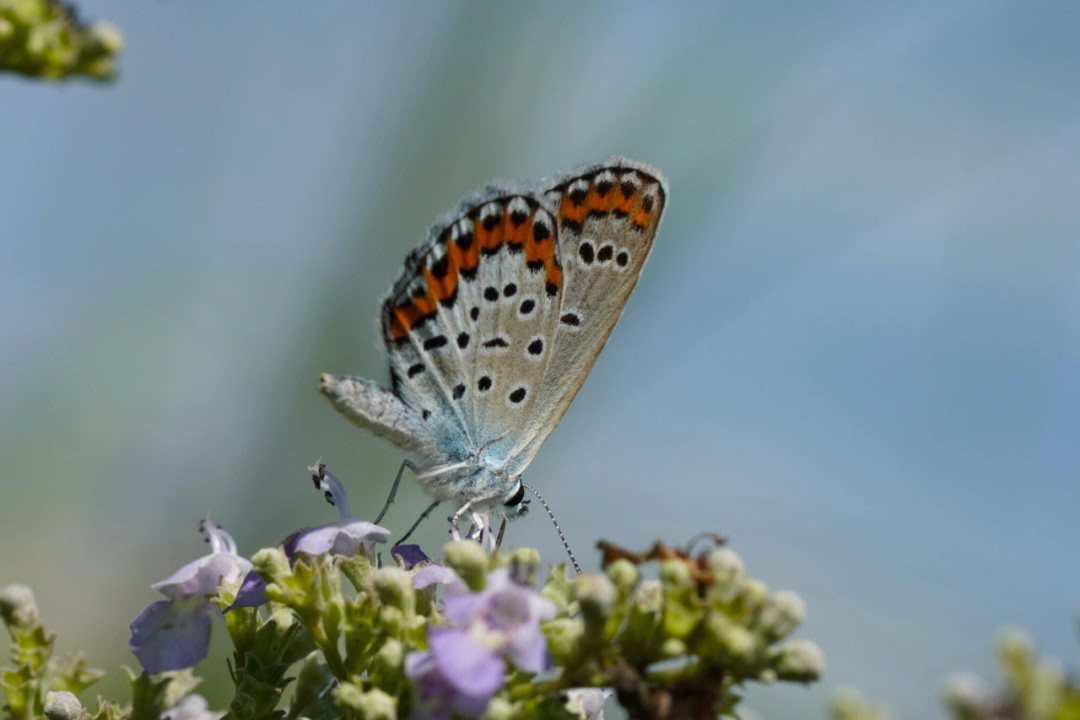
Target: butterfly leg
502, 529
393, 490
419, 520
481, 530
453, 519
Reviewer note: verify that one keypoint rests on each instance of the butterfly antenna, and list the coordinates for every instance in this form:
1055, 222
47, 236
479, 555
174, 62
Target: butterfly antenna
566, 545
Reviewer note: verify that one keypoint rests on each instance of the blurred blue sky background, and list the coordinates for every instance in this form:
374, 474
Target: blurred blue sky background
855, 350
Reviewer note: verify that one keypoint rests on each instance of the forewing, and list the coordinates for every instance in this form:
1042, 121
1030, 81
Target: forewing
607, 217
459, 323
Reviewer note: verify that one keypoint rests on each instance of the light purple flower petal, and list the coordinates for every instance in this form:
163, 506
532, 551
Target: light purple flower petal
345, 537
461, 608
508, 608
432, 574
438, 696
470, 667
419, 663
252, 592
528, 650
191, 707
170, 635
540, 607
202, 576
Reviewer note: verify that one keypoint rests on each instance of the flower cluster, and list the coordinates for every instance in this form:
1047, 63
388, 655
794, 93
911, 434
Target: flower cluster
1034, 688
479, 634
44, 38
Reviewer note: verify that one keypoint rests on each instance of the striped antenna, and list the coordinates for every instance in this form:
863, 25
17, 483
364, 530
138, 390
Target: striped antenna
577, 568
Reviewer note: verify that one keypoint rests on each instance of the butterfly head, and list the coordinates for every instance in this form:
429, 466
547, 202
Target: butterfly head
515, 503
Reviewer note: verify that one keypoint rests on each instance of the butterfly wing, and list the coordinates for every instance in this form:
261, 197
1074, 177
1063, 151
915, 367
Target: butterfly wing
607, 217
498, 317
459, 323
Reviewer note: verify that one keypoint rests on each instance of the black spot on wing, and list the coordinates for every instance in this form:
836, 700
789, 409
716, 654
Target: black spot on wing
435, 342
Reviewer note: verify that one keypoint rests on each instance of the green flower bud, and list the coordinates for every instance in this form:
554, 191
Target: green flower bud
681, 618
623, 573
753, 594
311, 681
596, 594
649, 596
524, 565
394, 587
850, 704
673, 648
500, 709
271, 563
675, 574
780, 614
62, 706
1046, 689
800, 660
1015, 647
392, 618
644, 615
564, 638
558, 587
371, 705
724, 642
469, 561
17, 606
390, 658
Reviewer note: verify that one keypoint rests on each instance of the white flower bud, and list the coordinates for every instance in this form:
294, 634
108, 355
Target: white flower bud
800, 660
17, 605
781, 613
965, 692
62, 706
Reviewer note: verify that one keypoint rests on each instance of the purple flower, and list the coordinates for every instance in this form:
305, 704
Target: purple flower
466, 662
457, 674
508, 614
409, 555
202, 576
174, 634
252, 592
432, 574
348, 536
170, 635
191, 707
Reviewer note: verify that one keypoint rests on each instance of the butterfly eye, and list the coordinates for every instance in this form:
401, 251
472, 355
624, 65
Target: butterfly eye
517, 497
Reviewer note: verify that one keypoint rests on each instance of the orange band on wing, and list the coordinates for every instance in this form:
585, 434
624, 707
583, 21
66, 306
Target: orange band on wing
642, 218
416, 309
625, 204
595, 202
572, 213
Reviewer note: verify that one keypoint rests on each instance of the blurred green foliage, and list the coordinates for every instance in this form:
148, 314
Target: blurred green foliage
45, 38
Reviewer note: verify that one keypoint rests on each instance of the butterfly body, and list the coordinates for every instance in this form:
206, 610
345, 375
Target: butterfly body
496, 321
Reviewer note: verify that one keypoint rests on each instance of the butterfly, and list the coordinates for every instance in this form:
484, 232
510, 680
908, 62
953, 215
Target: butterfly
495, 322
